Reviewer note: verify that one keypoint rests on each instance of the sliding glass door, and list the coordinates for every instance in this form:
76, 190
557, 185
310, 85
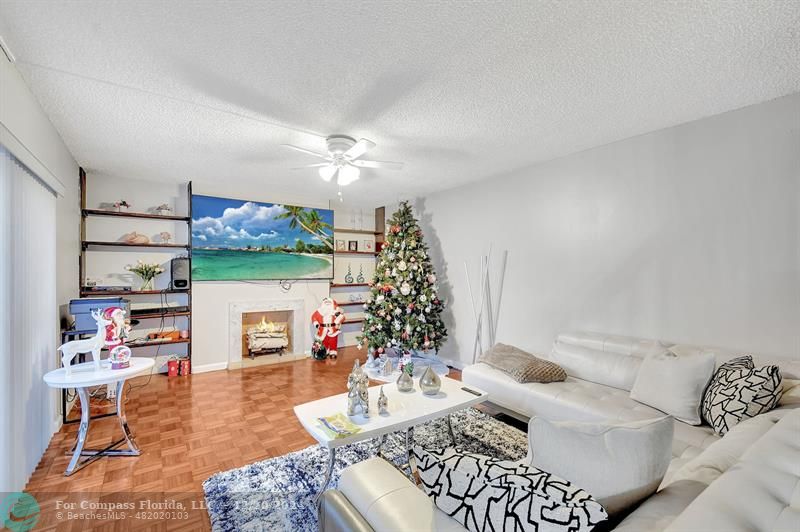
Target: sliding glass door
28, 319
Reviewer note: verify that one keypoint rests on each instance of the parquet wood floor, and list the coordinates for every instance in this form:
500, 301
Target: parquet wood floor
188, 429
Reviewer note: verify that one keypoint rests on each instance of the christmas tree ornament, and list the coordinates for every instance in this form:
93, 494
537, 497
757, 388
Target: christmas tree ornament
348, 278
360, 279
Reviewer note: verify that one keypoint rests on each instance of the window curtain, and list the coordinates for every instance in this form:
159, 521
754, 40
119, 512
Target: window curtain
28, 320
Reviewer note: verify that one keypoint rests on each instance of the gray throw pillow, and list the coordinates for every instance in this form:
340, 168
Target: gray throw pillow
522, 366
738, 391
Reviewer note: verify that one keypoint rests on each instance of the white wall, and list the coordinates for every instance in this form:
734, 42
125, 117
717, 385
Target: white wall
31, 137
688, 234
210, 300
40, 147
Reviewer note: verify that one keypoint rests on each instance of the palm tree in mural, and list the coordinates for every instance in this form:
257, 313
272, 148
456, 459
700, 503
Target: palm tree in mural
309, 221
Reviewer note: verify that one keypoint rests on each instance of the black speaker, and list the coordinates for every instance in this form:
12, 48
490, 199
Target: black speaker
181, 273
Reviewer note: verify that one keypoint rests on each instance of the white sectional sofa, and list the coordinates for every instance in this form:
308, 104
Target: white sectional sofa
747, 480
593, 360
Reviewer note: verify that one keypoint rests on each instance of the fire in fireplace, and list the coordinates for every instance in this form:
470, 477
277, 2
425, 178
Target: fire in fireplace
266, 333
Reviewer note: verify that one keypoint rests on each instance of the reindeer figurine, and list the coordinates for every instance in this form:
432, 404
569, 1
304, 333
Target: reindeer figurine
91, 345
357, 392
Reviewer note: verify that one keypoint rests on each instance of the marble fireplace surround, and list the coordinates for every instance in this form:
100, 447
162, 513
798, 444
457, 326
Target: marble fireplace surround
237, 308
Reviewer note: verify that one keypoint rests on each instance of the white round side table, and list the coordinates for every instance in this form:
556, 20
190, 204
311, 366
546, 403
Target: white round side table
83, 376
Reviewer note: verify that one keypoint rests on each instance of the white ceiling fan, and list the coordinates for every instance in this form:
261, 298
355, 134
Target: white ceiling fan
343, 159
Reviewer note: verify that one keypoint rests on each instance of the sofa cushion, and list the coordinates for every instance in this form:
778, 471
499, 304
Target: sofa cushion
522, 366
620, 464
724, 452
739, 391
483, 493
674, 383
579, 400
603, 367
659, 511
383, 496
572, 399
624, 345
791, 393
760, 492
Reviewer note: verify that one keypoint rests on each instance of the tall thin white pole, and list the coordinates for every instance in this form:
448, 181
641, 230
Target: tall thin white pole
478, 346
469, 289
500, 293
489, 307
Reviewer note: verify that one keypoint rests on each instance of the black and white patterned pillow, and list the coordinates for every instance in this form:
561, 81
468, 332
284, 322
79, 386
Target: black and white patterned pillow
484, 494
739, 391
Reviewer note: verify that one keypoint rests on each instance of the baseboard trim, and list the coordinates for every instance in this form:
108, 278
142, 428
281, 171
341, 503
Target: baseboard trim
205, 368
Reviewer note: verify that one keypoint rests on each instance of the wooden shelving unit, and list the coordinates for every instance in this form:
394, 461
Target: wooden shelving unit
87, 246
378, 233
348, 285
145, 215
370, 253
134, 345
85, 292
355, 231
159, 315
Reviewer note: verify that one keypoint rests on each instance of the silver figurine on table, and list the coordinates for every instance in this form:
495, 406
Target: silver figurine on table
357, 391
383, 404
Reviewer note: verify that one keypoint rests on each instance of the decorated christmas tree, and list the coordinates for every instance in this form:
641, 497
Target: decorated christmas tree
404, 310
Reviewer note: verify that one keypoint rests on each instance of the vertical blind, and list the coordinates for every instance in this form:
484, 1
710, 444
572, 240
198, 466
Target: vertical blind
28, 320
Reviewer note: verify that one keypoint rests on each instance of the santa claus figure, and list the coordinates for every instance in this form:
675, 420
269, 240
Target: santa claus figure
327, 322
117, 331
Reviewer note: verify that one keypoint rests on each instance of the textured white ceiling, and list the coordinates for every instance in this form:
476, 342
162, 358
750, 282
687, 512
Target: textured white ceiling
459, 91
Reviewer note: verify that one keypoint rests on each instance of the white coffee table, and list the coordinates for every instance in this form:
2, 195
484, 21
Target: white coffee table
84, 376
405, 411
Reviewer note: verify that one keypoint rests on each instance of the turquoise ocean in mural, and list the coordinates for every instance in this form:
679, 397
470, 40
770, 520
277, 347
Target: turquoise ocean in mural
230, 265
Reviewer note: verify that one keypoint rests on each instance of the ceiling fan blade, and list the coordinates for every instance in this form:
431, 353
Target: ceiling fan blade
317, 165
389, 165
309, 152
358, 149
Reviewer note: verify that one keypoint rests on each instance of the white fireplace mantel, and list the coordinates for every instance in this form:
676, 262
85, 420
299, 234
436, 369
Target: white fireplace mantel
237, 308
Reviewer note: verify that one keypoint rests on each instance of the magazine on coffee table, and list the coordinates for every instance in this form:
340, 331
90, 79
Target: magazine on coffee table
338, 426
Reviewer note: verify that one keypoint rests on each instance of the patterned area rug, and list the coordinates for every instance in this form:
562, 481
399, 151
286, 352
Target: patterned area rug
278, 494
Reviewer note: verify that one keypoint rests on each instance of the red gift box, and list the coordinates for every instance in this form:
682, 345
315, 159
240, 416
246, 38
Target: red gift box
172, 367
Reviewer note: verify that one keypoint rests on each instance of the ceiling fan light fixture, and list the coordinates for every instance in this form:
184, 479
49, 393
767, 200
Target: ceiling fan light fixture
327, 172
343, 159
347, 174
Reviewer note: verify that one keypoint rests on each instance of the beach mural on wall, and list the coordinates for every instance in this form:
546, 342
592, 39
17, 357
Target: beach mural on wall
234, 240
